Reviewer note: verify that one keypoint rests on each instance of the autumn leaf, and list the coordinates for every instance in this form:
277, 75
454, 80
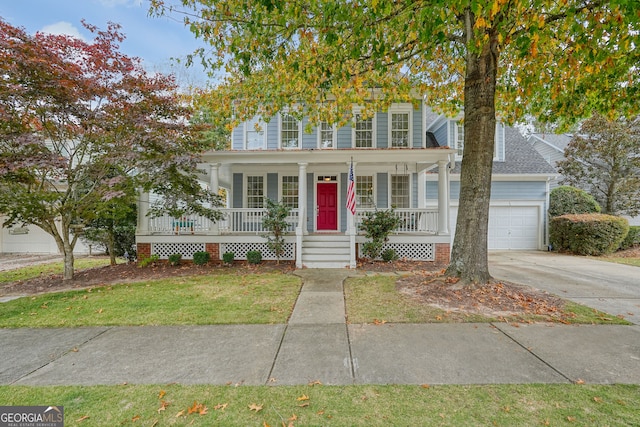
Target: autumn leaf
220, 406
85, 417
293, 417
316, 382
425, 386
179, 414
304, 405
255, 407
163, 406
597, 399
378, 322
135, 418
303, 397
161, 394
580, 381
197, 408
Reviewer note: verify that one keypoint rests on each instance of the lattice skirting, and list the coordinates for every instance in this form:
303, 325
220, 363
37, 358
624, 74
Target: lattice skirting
240, 250
410, 251
163, 250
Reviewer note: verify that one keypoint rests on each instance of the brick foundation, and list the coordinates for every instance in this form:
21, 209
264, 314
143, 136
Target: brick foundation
443, 253
214, 251
144, 250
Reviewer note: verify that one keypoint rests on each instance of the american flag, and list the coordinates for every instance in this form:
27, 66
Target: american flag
351, 192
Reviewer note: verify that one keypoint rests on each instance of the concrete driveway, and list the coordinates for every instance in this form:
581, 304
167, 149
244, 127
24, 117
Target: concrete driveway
609, 287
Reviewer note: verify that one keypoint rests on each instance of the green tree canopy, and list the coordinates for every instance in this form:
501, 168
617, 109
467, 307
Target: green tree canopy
604, 159
554, 59
83, 127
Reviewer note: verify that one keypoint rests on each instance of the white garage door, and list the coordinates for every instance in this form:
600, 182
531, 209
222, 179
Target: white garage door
510, 227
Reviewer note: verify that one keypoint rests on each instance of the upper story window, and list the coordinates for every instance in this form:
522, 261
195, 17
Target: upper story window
255, 192
363, 132
400, 125
254, 134
290, 191
326, 135
458, 139
290, 131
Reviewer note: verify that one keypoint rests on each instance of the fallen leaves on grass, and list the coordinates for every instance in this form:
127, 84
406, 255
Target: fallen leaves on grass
255, 407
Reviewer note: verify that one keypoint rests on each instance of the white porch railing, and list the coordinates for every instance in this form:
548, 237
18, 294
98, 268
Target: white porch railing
187, 224
243, 220
416, 220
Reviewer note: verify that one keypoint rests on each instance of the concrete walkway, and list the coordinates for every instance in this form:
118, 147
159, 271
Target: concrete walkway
318, 345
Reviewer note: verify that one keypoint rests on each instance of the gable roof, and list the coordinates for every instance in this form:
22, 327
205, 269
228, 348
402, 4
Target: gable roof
520, 157
556, 141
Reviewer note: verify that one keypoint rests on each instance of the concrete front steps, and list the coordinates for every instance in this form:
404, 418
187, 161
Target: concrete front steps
325, 251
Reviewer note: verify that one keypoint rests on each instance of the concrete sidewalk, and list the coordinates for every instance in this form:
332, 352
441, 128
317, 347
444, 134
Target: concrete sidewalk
318, 345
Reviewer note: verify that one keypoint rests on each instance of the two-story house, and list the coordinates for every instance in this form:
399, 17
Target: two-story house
407, 158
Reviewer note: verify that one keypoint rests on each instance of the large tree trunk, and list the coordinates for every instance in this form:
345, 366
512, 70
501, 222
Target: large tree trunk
469, 252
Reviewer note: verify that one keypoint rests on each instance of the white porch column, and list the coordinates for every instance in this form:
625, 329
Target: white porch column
143, 211
214, 186
302, 197
301, 229
443, 198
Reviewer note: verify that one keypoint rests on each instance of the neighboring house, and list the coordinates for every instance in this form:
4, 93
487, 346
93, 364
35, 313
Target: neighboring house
401, 158
551, 148
31, 239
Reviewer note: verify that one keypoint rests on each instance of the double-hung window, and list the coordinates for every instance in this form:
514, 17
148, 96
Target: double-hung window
326, 135
363, 132
400, 191
290, 131
400, 125
255, 192
289, 193
254, 134
459, 139
364, 191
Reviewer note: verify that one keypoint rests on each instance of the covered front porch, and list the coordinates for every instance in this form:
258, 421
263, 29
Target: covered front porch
322, 232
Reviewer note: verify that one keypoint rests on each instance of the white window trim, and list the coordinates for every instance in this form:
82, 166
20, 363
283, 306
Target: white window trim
245, 190
263, 126
390, 189
280, 133
374, 139
334, 136
500, 128
280, 190
374, 184
404, 108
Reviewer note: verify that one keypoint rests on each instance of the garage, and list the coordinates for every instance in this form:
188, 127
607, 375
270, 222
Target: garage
512, 226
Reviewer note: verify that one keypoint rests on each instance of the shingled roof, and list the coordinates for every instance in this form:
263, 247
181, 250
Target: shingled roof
520, 157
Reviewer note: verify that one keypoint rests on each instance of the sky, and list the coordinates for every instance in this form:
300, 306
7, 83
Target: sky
154, 40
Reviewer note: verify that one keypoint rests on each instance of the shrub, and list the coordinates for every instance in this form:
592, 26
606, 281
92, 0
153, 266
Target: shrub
254, 257
275, 223
632, 239
145, 261
570, 200
174, 259
201, 258
228, 257
588, 234
377, 226
389, 255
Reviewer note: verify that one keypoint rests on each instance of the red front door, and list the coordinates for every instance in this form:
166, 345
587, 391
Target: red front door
327, 194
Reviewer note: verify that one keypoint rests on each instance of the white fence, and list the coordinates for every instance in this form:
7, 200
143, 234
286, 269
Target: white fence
411, 220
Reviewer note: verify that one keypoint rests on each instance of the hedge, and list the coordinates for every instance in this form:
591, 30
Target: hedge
588, 234
632, 239
570, 200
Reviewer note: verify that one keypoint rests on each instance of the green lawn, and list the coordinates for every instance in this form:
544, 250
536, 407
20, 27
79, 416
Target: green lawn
373, 299
49, 268
195, 300
318, 405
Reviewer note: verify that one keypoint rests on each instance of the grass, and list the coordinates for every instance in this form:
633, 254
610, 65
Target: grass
369, 405
196, 300
621, 260
374, 299
57, 267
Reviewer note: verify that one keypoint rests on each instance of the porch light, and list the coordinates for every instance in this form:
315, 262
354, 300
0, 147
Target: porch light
327, 178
